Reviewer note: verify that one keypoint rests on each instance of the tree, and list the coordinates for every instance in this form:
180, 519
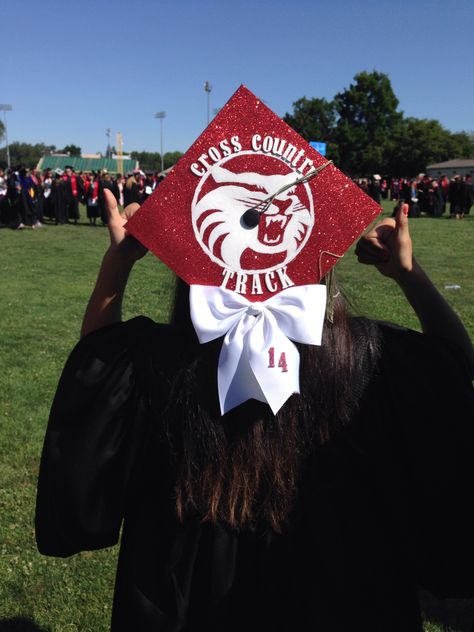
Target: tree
2, 131
171, 158
368, 118
420, 142
462, 145
25, 154
72, 150
151, 161
315, 119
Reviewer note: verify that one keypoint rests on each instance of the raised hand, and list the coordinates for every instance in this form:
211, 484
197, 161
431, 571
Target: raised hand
388, 246
121, 243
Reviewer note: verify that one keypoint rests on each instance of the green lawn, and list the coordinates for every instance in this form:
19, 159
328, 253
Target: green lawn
45, 279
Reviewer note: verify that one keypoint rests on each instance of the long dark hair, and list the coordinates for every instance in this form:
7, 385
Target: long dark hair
243, 469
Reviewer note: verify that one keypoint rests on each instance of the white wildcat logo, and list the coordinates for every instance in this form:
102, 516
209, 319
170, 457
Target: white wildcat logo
218, 209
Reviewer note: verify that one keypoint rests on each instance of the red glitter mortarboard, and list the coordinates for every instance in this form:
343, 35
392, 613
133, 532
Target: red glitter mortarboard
200, 221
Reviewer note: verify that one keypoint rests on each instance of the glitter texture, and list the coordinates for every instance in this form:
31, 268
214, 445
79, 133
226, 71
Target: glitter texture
192, 222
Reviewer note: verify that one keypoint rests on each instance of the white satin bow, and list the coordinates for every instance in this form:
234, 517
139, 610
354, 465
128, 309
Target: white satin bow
257, 358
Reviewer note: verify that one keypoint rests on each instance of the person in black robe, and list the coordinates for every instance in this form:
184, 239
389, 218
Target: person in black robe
455, 198
409, 195
74, 193
3, 198
467, 194
47, 184
59, 198
375, 191
28, 207
374, 464
444, 186
435, 199
131, 190
38, 198
423, 193
395, 189
11, 205
92, 199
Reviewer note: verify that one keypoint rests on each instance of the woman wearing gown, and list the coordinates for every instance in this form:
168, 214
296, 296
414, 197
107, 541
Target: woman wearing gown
325, 516
92, 200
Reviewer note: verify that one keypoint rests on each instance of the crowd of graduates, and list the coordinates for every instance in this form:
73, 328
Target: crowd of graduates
28, 197
424, 194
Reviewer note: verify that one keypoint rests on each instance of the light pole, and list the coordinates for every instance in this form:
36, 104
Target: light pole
108, 151
161, 116
208, 88
6, 107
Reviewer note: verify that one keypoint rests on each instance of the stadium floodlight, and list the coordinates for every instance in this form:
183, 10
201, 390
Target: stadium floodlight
208, 88
108, 151
6, 107
161, 116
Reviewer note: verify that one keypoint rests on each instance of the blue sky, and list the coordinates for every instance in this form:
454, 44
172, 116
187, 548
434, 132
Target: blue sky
73, 69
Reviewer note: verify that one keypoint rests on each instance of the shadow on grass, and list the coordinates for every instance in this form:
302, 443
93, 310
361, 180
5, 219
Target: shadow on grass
20, 624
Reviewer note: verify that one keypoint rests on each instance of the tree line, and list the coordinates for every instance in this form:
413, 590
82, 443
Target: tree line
362, 126
365, 133
29, 155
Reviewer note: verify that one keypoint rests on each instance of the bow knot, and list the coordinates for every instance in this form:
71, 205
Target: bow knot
257, 358
254, 309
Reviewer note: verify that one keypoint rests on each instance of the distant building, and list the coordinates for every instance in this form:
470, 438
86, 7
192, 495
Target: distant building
450, 168
86, 163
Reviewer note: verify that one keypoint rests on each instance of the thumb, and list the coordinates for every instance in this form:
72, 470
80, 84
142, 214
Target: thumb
111, 205
401, 221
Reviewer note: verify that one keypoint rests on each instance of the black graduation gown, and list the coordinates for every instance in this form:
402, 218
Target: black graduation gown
435, 202
468, 197
93, 210
383, 506
413, 206
59, 200
72, 201
27, 205
375, 191
454, 197
131, 194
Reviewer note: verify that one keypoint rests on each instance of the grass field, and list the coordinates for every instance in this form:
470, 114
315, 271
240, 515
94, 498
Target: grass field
45, 279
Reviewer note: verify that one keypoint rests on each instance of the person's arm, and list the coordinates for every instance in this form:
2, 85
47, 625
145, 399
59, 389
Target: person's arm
105, 303
389, 248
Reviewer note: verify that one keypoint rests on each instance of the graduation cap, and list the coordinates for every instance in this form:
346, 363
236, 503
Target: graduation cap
252, 217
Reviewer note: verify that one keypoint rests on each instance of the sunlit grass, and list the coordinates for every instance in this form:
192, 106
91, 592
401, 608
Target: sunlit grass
45, 279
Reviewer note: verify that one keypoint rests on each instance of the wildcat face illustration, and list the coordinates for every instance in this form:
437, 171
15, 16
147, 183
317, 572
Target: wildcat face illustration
221, 230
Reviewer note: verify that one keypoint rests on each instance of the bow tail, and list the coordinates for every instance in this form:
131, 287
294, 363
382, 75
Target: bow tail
236, 380
257, 361
274, 360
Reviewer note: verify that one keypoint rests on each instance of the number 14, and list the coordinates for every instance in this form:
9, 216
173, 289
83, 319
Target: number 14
281, 362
